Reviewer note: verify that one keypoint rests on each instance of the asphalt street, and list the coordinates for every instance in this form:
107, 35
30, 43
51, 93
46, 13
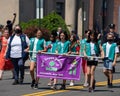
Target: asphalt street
7, 89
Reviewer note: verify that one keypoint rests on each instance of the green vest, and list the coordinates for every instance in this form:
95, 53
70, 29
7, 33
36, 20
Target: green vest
88, 49
82, 46
40, 44
111, 53
53, 46
73, 49
63, 48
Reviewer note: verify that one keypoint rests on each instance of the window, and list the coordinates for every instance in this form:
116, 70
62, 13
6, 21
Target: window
39, 8
60, 8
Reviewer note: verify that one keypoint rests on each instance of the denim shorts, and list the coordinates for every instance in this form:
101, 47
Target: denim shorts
33, 59
108, 64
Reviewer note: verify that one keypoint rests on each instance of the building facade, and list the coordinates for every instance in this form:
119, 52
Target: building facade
79, 15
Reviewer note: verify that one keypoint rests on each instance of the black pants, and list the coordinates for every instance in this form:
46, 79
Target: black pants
18, 67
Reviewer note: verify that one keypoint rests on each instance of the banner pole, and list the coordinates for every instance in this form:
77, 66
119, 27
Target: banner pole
65, 54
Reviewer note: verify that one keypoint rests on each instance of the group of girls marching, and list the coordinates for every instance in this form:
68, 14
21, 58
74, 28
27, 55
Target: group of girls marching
60, 44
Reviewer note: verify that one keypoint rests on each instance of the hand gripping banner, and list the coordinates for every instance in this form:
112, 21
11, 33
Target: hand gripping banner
59, 66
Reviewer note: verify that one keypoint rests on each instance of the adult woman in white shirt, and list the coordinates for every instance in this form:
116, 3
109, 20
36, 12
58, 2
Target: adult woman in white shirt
17, 44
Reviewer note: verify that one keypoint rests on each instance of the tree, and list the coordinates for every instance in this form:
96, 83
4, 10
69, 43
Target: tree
50, 22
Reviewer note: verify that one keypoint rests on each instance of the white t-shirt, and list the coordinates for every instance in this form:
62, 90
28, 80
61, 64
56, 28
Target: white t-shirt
34, 48
92, 48
16, 48
108, 45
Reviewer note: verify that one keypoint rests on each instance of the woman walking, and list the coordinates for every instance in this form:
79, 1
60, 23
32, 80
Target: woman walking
17, 44
5, 64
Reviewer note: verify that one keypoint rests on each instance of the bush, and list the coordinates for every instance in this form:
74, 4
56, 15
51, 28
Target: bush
50, 22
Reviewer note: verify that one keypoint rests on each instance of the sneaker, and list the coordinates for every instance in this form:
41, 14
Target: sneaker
15, 82
110, 85
54, 87
50, 83
90, 89
36, 86
71, 83
85, 84
63, 87
32, 84
21, 81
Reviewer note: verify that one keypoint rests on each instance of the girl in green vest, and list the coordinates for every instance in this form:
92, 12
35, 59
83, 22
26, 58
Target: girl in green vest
37, 44
91, 50
74, 49
84, 62
109, 53
63, 48
51, 48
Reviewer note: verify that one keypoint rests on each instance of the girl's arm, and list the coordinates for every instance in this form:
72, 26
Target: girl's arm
27, 49
102, 52
84, 52
115, 59
116, 54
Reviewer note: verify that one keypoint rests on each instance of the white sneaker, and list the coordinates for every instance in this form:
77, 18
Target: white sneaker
71, 84
85, 84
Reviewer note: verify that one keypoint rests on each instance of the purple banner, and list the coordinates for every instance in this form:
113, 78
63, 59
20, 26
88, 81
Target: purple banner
59, 66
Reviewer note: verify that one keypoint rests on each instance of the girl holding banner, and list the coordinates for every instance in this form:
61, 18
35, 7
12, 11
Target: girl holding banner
92, 50
37, 44
73, 49
62, 48
84, 62
51, 48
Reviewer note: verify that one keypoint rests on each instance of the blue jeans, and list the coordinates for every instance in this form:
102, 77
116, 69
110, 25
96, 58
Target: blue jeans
108, 64
18, 66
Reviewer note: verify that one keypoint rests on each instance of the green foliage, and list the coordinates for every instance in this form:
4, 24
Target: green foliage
34, 22
53, 21
50, 22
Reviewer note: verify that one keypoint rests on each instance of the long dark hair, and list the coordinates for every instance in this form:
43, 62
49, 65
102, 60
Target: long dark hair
74, 37
74, 41
94, 33
65, 33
